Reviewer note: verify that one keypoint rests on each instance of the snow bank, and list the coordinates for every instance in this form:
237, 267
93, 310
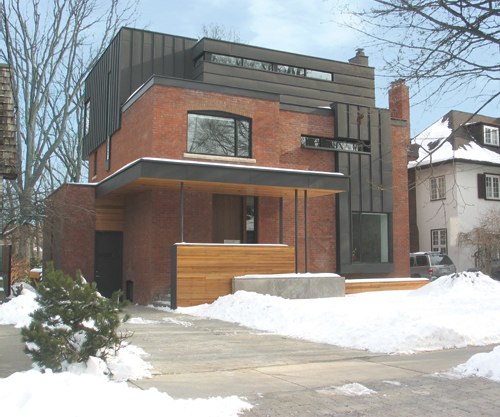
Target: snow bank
486, 365
31, 393
447, 313
17, 310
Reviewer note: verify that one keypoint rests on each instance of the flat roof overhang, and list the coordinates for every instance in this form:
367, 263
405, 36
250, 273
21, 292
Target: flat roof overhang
151, 173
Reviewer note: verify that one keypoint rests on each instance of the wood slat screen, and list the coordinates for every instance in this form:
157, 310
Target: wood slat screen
202, 273
359, 286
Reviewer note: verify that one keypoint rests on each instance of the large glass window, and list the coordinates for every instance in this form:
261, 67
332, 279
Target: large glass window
219, 135
370, 240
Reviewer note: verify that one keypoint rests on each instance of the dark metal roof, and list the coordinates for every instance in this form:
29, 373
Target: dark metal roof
150, 173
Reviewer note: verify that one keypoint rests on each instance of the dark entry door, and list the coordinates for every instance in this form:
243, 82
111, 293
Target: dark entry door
108, 262
228, 218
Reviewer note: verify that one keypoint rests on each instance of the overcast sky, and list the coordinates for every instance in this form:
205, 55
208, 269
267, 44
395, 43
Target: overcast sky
310, 27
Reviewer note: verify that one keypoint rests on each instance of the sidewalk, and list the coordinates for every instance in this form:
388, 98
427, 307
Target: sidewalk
194, 357
12, 357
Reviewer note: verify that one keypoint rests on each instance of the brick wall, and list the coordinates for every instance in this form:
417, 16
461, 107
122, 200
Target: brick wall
156, 126
69, 236
151, 228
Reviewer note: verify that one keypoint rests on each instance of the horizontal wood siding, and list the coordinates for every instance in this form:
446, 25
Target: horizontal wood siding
205, 272
357, 287
109, 219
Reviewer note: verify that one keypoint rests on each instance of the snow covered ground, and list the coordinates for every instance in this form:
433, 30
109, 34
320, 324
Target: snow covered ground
33, 392
453, 311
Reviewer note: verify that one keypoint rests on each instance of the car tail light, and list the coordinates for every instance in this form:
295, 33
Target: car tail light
430, 271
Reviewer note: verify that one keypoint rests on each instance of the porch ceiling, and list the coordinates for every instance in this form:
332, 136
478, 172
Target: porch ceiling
150, 173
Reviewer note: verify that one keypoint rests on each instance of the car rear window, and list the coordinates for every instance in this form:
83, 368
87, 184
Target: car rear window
440, 260
422, 260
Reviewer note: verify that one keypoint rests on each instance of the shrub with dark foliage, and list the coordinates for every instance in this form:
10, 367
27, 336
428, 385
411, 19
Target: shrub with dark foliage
72, 323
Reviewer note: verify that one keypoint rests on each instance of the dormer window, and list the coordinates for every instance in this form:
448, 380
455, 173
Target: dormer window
491, 136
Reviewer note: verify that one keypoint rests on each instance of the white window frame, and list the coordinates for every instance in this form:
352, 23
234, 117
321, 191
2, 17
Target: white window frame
491, 136
438, 188
492, 186
439, 241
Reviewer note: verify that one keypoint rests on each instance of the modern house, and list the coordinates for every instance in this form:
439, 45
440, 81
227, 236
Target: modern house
210, 159
454, 182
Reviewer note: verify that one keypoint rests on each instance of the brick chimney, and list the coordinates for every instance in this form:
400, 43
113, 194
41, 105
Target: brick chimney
399, 100
360, 58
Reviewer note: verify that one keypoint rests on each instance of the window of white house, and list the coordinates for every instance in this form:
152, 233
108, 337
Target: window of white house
370, 237
223, 135
439, 241
492, 185
438, 188
491, 136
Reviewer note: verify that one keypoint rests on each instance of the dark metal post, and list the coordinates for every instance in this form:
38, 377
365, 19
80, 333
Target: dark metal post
306, 246
296, 232
182, 212
281, 220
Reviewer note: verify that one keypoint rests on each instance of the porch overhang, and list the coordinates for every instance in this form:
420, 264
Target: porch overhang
151, 173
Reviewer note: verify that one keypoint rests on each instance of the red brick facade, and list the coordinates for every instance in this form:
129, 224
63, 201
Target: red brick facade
69, 230
156, 126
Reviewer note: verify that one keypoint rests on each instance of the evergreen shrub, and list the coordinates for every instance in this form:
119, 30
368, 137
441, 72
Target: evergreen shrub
73, 322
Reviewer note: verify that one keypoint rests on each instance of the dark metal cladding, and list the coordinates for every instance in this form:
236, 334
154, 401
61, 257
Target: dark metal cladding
134, 56
130, 60
371, 175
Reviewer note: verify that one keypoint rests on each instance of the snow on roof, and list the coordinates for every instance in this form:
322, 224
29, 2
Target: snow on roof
435, 147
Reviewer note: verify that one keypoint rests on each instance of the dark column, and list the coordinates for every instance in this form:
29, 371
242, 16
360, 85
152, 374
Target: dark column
306, 246
181, 214
281, 220
296, 232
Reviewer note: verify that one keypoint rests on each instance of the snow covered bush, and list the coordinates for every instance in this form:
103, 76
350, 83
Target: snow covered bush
73, 322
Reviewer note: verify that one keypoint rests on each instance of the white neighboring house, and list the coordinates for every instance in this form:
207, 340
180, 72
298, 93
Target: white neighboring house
453, 182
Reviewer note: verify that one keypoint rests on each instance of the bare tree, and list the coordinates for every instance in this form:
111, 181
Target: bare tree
484, 239
51, 47
440, 45
220, 32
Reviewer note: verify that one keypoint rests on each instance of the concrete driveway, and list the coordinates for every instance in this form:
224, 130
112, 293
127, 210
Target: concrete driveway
280, 376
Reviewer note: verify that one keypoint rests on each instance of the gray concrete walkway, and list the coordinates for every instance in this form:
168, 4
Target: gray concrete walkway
280, 376
12, 357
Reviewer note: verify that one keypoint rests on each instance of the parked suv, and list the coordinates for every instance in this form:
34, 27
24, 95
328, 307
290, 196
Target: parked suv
430, 265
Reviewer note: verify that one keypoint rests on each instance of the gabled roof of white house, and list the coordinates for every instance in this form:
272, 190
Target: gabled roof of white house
436, 147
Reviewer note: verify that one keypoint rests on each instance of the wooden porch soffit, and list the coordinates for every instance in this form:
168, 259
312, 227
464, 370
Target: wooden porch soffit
151, 173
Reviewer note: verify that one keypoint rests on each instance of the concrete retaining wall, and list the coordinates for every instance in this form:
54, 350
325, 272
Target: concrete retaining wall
292, 285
